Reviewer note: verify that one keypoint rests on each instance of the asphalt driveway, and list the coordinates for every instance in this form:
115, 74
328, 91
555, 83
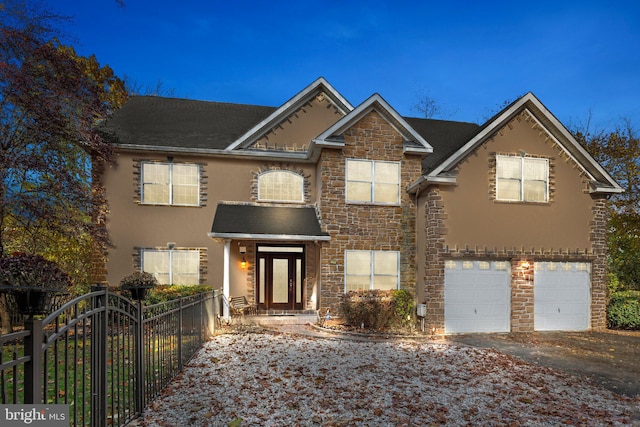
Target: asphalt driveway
610, 359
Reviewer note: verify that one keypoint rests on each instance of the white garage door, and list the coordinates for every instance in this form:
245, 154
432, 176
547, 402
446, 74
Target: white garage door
477, 296
562, 296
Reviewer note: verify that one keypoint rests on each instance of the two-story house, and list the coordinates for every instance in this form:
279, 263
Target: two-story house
499, 227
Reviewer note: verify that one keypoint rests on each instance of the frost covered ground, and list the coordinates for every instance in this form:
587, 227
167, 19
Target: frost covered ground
269, 379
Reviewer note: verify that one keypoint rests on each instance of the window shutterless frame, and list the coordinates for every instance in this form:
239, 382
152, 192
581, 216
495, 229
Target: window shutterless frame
280, 186
522, 179
172, 266
175, 184
372, 182
371, 270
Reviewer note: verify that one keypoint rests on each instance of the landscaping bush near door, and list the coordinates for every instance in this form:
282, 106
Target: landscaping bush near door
164, 293
623, 311
375, 309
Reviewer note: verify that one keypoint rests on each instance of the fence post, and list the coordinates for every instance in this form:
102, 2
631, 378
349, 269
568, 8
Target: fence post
33, 368
99, 345
180, 334
202, 320
215, 310
139, 388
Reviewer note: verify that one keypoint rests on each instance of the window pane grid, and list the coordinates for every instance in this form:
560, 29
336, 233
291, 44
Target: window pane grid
170, 184
283, 186
173, 267
522, 179
373, 182
366, 270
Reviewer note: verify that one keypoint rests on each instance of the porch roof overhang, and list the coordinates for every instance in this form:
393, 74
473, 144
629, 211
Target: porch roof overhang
252, 222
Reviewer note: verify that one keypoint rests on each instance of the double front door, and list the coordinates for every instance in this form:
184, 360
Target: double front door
280, 284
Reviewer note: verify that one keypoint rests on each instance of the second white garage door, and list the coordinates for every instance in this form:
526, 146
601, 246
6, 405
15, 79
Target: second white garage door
477, 296
562, 296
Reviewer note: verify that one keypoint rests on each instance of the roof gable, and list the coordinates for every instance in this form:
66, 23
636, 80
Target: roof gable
601, 180
413, 141
319, 88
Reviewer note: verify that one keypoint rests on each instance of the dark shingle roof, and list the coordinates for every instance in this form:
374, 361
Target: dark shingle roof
183, 123
445, 137
187, 124
250, 220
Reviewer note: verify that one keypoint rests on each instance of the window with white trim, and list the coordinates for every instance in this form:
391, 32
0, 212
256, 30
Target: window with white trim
370, 181
522, 179
170, 184
172, 266
366, 270
280, 186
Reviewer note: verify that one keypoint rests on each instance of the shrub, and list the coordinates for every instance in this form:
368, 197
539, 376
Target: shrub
163, 293
139, 279
33, 284
613, 284
623, 311
404, 308
376, 309
27, 271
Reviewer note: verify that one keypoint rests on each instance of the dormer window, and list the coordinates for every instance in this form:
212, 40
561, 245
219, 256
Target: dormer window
280, 186
522, 179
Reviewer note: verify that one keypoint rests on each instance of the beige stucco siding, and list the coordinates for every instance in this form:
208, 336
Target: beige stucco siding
474, 217
307, 122
133, 225
466, 221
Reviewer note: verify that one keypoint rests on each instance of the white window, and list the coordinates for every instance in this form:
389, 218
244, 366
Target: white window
371, 270
280, 186
522, 179
173, 266
373, 182
170, 184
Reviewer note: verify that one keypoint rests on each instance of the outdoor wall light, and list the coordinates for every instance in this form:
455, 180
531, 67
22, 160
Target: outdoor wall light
524, 265
243, 263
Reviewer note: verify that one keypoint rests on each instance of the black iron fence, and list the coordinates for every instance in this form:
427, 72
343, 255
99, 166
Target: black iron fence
104, 355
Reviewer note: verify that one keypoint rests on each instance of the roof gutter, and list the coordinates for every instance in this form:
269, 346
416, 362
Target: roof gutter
425, 180
289, 155
597, 188
282, 237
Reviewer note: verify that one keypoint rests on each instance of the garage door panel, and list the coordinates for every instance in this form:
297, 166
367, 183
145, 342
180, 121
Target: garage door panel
477, 297
562, 297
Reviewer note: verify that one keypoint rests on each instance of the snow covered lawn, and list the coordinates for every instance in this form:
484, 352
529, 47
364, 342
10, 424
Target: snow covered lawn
268, 379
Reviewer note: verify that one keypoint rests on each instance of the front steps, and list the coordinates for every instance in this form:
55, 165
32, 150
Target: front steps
277, 317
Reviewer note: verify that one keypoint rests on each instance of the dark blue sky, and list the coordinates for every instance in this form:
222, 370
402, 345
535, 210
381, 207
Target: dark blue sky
470, 56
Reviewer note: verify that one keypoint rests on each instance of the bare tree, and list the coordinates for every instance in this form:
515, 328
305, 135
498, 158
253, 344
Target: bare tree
429, 108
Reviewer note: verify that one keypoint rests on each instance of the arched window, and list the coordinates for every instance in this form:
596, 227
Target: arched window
280, 186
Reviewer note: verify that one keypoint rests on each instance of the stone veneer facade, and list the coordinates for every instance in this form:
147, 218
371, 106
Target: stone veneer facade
522, 279
365, 226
